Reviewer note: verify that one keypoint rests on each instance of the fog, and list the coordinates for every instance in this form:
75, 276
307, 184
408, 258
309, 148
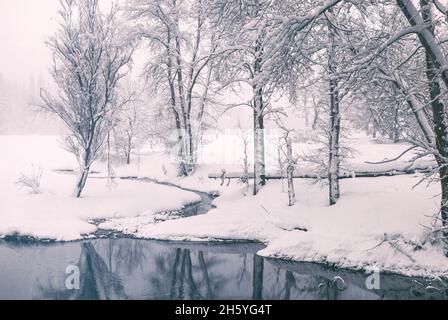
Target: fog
24, 27
25, 61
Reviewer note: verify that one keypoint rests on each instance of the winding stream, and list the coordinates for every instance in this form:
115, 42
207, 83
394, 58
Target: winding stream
125, 268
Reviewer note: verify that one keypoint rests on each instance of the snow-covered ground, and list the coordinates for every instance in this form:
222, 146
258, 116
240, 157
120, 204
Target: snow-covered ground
379, 222
350, 234
54, 214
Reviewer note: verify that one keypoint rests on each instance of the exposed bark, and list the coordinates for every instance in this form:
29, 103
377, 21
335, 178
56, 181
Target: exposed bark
334, 157
81, 182
439, 118
416, 106
258, 106
259, 159
290, 172
335, 126
128, 157
395, 132
173, 105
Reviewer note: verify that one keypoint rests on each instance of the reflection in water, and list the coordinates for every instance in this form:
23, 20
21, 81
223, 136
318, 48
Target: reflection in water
258, 278
290, 282
97, 280
137, 269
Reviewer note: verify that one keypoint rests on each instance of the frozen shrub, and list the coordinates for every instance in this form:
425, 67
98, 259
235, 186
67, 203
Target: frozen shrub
31, 181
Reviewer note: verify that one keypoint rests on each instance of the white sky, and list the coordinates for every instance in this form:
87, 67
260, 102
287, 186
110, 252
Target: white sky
24, 27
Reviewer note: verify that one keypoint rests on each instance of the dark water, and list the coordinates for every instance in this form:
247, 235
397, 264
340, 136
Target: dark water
138, 269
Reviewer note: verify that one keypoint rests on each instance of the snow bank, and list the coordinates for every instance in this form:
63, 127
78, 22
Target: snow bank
378, 222
54, 214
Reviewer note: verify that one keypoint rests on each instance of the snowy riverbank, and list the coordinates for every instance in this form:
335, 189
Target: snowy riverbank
53, 213
379, 222
387, 230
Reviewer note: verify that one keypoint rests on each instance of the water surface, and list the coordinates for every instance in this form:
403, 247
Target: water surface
139, 269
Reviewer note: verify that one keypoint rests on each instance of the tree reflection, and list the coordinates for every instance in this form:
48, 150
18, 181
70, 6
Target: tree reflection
96, 278
290, 283
130, 255
177, 278
258, 278
97, 282
187, 274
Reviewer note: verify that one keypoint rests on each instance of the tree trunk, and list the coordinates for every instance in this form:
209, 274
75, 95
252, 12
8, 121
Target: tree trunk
258, 105
186, 168
418, 111
262, 156
81, 182
335, 122
438, 111
334, 159
173, 101
129, 150
396, 133
190, 148
290, 174
435, 65
259, 159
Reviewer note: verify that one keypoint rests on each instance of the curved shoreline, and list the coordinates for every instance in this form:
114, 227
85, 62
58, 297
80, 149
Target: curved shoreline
197, 208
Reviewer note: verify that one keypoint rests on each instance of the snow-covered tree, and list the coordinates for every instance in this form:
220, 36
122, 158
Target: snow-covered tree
90, 58
180, 65
424, 22
130, 131
241, 62
291, 162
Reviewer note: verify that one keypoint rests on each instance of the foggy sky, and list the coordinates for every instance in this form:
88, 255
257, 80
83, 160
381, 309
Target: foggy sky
24, 27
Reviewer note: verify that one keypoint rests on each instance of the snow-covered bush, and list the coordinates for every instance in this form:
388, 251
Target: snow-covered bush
31, 181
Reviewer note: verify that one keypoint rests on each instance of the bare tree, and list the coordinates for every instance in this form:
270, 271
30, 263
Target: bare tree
132, 121
90, 59
319, 44
180, 66
335, 119
241, 63
286, 153
125, 132
291, 162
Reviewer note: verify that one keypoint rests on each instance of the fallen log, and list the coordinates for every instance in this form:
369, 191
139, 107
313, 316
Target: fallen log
344, 175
